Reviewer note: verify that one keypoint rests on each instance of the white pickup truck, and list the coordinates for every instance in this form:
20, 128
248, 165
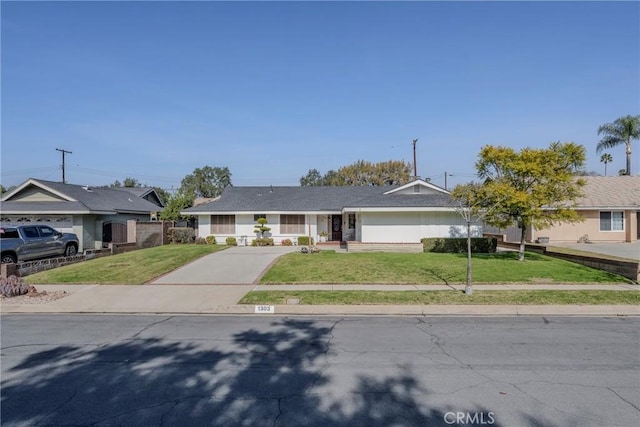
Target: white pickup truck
26, 242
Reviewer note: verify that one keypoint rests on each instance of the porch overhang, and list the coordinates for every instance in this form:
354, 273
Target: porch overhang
397, 209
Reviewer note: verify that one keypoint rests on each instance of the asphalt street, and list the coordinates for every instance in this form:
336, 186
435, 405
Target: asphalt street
137, 370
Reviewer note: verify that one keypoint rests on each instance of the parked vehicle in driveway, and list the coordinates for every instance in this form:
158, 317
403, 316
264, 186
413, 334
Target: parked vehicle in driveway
27, 242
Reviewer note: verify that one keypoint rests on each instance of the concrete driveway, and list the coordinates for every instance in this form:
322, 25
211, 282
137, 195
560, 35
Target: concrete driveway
233, 266
624, 250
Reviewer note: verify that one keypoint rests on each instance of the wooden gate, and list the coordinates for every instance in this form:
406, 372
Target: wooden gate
114, 232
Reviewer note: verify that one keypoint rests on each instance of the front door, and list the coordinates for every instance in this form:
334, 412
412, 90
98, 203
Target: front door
336, 228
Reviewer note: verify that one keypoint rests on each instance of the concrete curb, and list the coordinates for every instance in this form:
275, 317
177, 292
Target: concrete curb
223, 300
357, 310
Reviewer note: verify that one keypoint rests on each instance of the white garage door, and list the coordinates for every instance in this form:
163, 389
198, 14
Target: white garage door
63, 223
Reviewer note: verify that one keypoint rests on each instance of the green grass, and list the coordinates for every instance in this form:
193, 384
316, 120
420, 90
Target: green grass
444, 297
429, 268
130, 268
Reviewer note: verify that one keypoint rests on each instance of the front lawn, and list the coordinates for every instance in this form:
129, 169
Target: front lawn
429, 268
130, 268
524, 297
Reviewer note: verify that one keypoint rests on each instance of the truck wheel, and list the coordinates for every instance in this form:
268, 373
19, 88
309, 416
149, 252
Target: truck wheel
9, 259
70, 250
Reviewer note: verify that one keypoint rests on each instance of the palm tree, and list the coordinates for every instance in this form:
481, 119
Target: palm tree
622, 131
606, 158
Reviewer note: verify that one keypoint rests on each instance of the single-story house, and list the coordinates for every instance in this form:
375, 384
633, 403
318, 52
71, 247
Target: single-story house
384, 214
97, 215
609, 208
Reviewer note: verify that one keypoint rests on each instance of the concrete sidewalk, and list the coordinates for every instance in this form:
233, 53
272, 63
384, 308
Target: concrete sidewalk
223, 299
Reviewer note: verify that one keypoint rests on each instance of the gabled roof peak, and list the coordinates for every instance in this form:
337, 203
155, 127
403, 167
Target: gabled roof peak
418, 184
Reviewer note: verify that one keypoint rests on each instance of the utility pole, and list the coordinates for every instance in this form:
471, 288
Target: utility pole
415, 166
445, 181
64, 181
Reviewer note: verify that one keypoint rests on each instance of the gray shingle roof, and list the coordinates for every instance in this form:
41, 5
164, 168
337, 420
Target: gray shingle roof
146, 193
405, 201
314, 199
87, 200
623, 191
610, 191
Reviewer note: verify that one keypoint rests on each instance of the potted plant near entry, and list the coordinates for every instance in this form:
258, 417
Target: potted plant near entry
323, 236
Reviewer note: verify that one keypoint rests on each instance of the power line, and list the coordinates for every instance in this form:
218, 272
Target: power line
14, 172
113, 174
116, 174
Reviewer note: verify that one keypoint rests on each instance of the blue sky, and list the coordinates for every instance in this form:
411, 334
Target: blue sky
153, 90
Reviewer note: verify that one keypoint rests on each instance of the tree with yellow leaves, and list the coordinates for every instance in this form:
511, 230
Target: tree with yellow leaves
532, 187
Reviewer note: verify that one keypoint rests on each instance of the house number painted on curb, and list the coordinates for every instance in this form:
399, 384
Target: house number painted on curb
265, 309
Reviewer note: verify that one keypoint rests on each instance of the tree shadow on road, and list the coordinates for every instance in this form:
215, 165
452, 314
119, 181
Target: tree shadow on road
274, 376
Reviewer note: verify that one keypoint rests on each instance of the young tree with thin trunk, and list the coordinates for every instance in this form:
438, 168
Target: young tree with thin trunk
621, 131
473, 209
532, 187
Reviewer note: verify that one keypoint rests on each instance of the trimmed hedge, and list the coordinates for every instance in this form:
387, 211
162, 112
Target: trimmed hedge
482, 245
304, 240
231, 241
211, 239
181, 235
262, 241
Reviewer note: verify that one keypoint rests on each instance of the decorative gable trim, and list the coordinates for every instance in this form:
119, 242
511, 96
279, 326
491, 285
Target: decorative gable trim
419, 184
36, 183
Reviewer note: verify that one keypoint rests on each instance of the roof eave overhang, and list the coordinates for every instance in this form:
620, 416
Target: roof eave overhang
266, 212
135, 212
400, 209
600, 208
56, 212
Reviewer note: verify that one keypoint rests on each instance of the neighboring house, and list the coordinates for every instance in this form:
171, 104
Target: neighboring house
397, 214
609, 207
147, 193
97, 215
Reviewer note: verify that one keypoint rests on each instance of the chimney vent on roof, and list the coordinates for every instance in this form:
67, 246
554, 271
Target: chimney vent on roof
271, 189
